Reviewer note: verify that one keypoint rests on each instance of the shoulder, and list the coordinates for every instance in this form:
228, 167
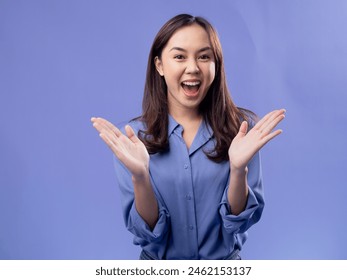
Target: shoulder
248, 116
136, 124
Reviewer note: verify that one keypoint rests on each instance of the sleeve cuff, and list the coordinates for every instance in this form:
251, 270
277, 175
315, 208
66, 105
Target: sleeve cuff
240, 223
140, 228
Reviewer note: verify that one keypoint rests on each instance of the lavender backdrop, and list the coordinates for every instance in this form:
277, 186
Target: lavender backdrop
62, 62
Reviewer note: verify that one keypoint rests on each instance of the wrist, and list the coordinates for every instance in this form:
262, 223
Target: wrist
140, 177
240, 171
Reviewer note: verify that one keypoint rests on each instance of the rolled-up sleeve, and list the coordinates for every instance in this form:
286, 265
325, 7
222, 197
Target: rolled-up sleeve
255, 202
133, 221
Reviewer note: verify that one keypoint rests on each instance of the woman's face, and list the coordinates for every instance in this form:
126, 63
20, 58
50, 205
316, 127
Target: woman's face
188, 66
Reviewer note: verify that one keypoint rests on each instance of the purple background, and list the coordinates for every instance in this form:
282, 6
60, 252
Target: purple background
62, 62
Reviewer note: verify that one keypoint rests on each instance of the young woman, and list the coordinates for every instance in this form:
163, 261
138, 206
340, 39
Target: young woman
189, 168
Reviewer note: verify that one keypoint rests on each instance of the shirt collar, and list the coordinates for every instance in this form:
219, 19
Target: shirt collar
205, 129
172, 125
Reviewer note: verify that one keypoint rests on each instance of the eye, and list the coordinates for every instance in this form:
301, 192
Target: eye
179, 57
204, 57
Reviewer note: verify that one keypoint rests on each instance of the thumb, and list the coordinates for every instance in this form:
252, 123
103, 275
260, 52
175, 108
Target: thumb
243, 129
131, 134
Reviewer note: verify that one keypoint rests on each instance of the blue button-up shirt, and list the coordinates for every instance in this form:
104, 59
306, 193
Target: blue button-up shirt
194, 214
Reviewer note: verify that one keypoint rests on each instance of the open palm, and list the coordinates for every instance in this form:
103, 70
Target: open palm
246, 144
128, 148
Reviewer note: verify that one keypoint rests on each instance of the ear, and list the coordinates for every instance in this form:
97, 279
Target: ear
158, 66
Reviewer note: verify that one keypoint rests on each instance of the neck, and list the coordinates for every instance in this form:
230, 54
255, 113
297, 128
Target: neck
190, 120
185, 115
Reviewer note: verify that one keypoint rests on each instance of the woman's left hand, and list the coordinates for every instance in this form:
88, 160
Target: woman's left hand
246, 144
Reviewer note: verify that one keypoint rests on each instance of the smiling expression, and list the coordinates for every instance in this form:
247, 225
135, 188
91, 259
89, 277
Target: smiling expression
188, 66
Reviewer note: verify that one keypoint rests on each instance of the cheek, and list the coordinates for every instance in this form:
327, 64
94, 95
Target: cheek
212, 71
172, 74
170, 70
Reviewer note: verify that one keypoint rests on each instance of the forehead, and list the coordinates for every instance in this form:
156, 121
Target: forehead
189, 37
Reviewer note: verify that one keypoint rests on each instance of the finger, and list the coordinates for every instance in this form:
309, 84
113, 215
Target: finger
101, 127
112, 138
131, 134
243, 128
273, 124
270, 136
263, 120
110, 143
112, 127
100, 124
268, 119
122, 142
107, 140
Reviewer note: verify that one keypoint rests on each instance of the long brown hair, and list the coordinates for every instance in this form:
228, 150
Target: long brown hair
217, 108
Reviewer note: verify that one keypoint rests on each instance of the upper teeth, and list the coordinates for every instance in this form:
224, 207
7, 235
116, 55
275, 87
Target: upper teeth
191, 83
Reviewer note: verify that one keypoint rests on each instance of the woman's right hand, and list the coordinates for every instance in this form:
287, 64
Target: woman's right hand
128, 148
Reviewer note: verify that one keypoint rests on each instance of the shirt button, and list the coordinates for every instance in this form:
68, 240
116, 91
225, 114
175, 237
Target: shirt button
186, 166
191, 227
188, 197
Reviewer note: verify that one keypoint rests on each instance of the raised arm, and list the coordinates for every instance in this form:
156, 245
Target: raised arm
242, 149
133, 154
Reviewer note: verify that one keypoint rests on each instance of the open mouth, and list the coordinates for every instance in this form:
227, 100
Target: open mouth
191, 88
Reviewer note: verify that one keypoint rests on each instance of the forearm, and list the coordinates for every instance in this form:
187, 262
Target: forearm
145, 201
238, 190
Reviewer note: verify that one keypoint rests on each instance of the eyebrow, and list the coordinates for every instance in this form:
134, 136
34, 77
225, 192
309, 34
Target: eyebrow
183, 50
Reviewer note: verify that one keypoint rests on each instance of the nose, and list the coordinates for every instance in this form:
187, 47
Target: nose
192, 67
